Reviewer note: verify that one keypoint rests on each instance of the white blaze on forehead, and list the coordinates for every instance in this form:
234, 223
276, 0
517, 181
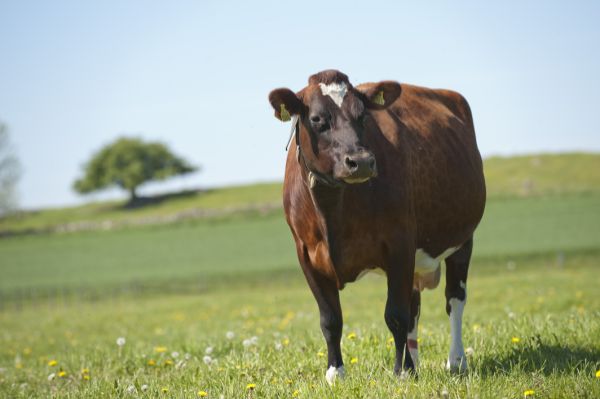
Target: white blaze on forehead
337, 91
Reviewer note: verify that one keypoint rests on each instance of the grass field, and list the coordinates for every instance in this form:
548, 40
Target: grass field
173, 290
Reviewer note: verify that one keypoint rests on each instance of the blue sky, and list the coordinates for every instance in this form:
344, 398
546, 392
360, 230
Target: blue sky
196, 75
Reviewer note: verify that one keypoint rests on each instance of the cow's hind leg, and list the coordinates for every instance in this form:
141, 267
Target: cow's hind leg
327, 296
457, 267
397, 307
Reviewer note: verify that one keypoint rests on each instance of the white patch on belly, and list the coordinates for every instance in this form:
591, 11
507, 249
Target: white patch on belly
426, 264
337, 91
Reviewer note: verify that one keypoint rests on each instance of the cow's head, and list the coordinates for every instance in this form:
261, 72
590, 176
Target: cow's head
331, 116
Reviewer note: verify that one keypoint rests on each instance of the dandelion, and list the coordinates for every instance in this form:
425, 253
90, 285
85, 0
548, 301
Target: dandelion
151, 362
168, 362
598, 374
207, 360
160, 349
51, 376
285, 342
131, 389
247, 343
174, 355
121, 341
164, 390
476, 327
528, 392
250, 386
202, 394
62, 374
144, 387
354, 360
86, 377
320, 354
85, 371
187, 356
230, 335
208, 350
52, 363
254, 340
372, 383
515, 340
296, 393
278, 346
352, 335
469, 351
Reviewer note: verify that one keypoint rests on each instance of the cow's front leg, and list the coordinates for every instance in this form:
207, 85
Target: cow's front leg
327, 295
397, 307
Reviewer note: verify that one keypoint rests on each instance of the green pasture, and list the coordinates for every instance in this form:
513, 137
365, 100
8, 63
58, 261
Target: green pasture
173, 290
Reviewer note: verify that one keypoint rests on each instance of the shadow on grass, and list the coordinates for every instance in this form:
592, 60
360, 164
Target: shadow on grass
541, 357
143, 202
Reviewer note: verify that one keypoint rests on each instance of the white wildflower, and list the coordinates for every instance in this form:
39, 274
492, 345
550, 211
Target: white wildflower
51, 376
121, 341
187, 356
131, 389
278, 346
209, 350
247, 343
144, 387
230, 335
254, 340
174, 355
207, 359
469, 351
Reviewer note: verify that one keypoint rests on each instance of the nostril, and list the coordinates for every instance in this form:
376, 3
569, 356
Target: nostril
351, 163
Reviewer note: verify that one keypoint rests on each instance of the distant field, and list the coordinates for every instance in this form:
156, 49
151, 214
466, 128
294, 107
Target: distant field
196, 253
519, 176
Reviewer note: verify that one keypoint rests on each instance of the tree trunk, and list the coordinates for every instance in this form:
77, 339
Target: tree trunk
132, 195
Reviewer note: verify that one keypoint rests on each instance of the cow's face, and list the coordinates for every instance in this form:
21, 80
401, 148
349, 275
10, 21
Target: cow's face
332, 113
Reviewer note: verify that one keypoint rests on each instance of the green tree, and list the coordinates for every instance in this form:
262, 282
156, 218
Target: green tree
10, 171
128, 163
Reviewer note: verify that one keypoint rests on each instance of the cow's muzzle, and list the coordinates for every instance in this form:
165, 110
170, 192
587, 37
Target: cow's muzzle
359, 167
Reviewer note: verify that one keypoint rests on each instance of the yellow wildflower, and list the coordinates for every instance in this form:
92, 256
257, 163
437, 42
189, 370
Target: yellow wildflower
598, 374
62, 373
286, 341
151, 362
515, 340
528, 392
19, 365
160, 349
27, 351
250, 386
52, 363
320, 354
202, 394
85, 370
164, 390
372, 383
354, 360
86, 377
352, 335
295, 393
289, 381
168, 362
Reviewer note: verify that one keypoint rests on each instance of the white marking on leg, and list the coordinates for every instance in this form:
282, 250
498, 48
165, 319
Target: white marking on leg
335, 373
412, 340
337, 91
457, 361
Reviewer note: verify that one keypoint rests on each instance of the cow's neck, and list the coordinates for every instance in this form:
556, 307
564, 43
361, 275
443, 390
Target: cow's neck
329, 205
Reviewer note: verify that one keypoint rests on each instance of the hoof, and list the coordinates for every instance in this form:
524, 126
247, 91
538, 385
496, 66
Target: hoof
457, 365
408, 374
335, 373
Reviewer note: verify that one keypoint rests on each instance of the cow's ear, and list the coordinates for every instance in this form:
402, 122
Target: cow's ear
285, 103
380, 95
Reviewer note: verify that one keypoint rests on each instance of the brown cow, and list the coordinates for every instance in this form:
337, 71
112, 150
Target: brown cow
382, 175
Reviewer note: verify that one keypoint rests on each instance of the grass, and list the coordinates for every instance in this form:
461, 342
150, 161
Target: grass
522, 176
173, 290
554, 314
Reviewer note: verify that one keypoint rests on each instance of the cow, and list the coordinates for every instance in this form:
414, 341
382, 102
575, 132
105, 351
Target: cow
382, 176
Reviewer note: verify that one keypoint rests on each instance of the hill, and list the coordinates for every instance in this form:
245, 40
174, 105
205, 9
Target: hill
507, 177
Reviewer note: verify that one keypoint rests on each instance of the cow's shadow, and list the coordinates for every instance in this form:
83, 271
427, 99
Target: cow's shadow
541, 358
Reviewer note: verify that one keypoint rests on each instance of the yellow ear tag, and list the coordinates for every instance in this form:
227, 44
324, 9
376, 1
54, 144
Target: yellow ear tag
378, 99
284, 114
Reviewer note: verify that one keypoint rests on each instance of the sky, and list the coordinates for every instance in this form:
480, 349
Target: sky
196, 75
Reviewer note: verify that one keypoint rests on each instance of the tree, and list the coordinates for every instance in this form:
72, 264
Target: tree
128, 163
10, 172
